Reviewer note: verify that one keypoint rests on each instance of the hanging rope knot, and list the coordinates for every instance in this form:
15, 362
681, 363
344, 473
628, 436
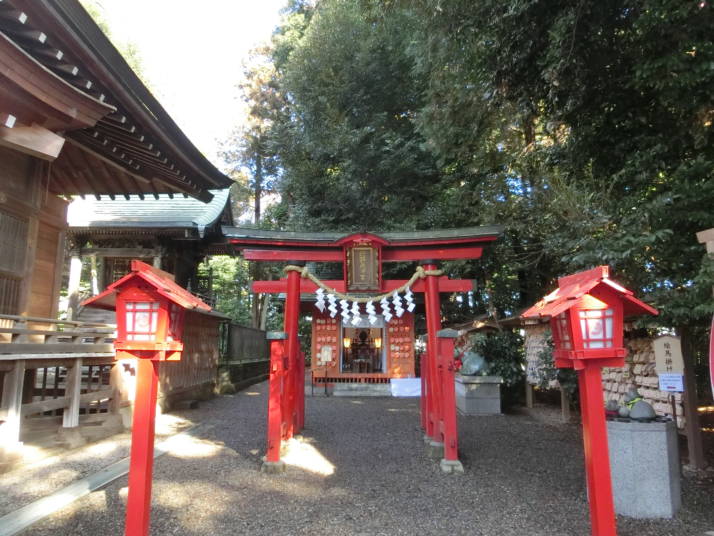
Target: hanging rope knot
420, 273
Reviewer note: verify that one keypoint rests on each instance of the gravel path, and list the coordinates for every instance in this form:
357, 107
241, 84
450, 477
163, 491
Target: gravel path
364, 471
33, 481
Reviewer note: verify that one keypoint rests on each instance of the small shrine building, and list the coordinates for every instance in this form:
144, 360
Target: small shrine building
363, 325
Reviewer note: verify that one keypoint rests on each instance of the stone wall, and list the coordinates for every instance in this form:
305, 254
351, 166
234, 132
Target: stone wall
535, 342
639, 371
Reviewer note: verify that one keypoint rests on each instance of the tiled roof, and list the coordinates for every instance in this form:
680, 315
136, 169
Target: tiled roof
176, 212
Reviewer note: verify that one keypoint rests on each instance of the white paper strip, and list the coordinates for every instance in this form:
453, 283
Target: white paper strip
332, 299
320, 302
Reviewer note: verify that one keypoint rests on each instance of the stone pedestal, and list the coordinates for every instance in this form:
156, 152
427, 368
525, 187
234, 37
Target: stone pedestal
478, 395
644, 461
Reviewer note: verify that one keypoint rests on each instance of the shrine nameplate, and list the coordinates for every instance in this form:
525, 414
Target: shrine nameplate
362, 268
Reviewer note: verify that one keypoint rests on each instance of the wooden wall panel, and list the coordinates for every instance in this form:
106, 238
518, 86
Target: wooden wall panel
43, 284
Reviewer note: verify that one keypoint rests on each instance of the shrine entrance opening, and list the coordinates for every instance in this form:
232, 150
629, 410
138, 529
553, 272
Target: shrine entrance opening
363, 347
363, 326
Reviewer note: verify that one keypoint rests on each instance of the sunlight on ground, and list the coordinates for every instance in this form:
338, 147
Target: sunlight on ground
194, 512
358, 402
400, 410
32, 454
305, 456
96, 501
168, 424
101, 449
186, 446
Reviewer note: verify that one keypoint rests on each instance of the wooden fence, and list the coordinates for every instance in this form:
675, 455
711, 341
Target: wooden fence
246, 358
49, 366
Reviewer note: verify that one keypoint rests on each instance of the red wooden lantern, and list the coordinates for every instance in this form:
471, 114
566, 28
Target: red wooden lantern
151, 310
586, 317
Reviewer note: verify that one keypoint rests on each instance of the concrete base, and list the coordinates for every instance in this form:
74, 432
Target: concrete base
435, 449
478, 395
361, 389
644, 462
451, 466
272, 468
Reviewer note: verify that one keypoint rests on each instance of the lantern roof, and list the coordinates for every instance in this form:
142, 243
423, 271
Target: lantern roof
573, 287
161, 281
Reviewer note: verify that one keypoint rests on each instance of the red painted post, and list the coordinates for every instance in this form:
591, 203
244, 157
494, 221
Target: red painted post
446, 368
290, 322
423, 401
138, 509
300, 377
275, 416
597, 459
433, 325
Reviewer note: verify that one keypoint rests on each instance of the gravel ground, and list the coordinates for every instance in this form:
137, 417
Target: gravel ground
33, 481
364, 471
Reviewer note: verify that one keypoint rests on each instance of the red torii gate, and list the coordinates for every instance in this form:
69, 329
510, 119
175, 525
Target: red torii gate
362, 255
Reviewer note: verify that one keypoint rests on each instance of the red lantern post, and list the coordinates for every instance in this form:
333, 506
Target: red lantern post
586, 316
150, 309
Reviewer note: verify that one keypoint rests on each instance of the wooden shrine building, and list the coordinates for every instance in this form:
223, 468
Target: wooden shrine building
170, 233
74, 120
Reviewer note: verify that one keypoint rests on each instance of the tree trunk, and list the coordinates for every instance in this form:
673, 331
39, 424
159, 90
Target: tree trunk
691, 403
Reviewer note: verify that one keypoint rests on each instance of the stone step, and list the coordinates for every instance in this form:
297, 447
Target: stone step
362, 389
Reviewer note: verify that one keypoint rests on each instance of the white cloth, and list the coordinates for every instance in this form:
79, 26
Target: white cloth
406, 387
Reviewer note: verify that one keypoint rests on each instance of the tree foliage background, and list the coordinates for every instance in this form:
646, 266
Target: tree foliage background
583, 127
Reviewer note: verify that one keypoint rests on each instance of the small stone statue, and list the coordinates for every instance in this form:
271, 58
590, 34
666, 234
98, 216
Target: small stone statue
473, 364
632, 396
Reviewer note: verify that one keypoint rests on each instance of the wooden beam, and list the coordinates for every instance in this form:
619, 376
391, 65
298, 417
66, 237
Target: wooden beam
120, 252
335, 255
441, 254
446, 285
12, 404
33, 140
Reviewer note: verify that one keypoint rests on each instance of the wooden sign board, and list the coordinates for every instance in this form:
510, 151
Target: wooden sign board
668, 355
362, 267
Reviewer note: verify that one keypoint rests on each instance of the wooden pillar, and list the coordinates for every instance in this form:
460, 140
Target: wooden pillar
690, 401
290, 320
423, 400
529, 395
75, 278
138, 508
70, 415
12, 406
564, 405
597, 456
450, 463
433, 325
277, 341
94, 275
300, 385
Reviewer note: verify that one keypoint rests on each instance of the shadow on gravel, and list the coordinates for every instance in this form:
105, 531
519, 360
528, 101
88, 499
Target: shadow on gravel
362, 469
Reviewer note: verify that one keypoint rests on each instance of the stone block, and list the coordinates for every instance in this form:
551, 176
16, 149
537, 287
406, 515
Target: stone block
451, 467
478, 395
272, 468
644, 461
